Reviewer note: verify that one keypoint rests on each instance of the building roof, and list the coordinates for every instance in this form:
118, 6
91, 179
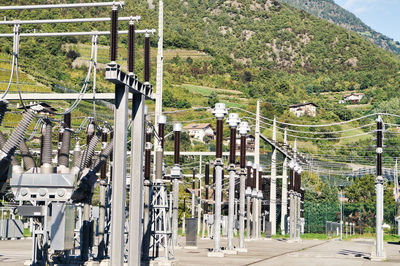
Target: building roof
302, 104
354, 94
197, 126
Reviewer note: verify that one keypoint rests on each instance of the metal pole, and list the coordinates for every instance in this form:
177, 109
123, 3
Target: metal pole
119, 174
206, 197
379, 252
136, 190
193, 207
291, 203
272, 204
219, 111
243, 131
199, 199
233, 122
341, 212
160, 62
28, 7
257, 163
70, 20
60, 34
147, 208
102, 203
284, 190
176, 174
248, 195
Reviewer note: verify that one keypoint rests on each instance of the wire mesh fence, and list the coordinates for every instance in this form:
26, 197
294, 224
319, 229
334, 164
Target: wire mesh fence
362, 215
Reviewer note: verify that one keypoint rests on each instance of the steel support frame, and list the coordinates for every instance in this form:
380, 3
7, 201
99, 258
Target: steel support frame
136, 190
119, 174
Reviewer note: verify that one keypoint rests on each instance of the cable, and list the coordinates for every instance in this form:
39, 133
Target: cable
85, 84
315, 132
344, 137
95, 41
16, 33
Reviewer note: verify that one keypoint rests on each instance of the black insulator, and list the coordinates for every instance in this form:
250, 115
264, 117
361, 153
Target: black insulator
111, 156
114, 34
3, 109
103, 171
3, 140
194, 180
176, 146
161, 131
207, 174
291, 179
232, 151
63, 155
254, 178
131, 47
26, 155
147, 59
260, 173
242, 151
18, 134
148, 137
220, 128
248, 178
147, 158
41, 151
47, 143
67, 120
184, 205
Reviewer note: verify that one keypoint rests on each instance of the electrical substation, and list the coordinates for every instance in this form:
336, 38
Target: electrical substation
240, 197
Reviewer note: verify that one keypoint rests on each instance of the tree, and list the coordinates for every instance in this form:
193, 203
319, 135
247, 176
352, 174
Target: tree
212, 99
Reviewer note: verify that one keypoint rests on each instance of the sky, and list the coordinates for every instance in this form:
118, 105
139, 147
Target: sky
381, 15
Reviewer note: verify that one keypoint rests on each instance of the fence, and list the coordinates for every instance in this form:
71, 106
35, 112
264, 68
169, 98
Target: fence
362, 215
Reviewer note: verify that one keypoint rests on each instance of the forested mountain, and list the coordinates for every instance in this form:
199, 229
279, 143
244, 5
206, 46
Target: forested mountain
329, 10
265, 49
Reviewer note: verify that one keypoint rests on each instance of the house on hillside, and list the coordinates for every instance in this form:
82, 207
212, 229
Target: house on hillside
354, 98
250, 143
302, 109
199, 131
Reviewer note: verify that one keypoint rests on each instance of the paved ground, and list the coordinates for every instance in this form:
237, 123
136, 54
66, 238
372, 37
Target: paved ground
262, 252
279, 252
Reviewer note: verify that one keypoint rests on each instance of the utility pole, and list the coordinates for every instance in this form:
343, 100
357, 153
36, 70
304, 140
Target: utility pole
199, 200
147, 195
233, 121
193, 207
248, 198
257, 163
160, 63
272, 203
379, 251
243, 131
291, 201
341, 212
176, 175
297, 183
254, 194
259, 198
284, 189
219, 111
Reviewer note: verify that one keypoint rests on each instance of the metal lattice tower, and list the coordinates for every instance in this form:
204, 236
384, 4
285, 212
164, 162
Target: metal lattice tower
161, 224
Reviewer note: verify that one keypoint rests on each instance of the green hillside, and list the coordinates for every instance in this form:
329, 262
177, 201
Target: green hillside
329, 10
261, 49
